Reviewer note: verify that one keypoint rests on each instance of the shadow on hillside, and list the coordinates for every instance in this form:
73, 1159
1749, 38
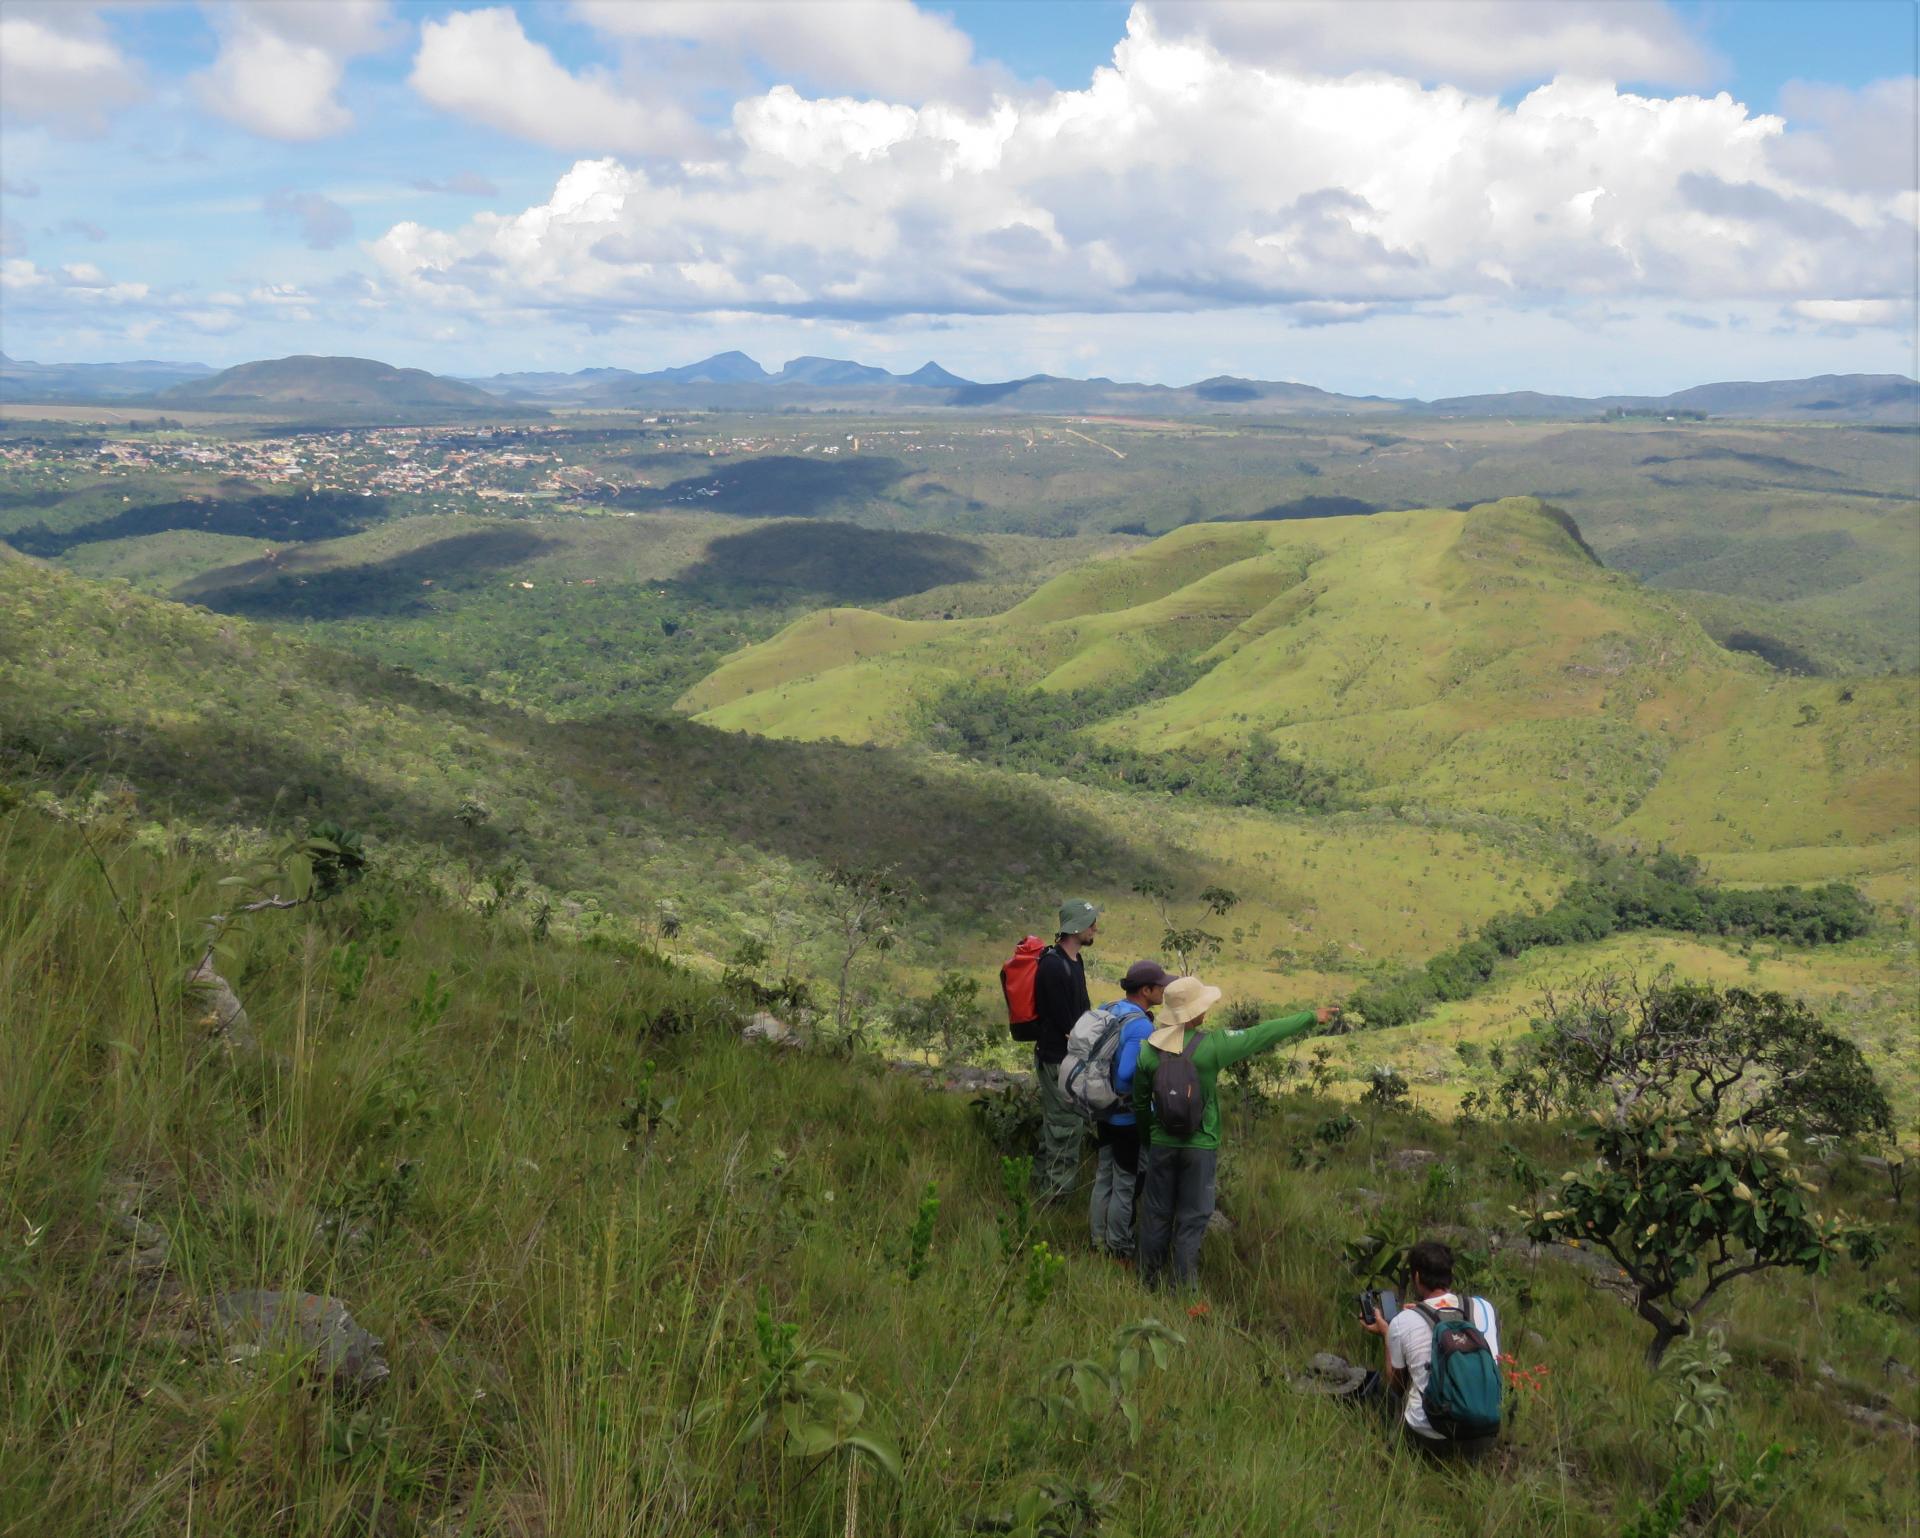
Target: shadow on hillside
837, 560
782, 486
293, 519
394, 587
217, 767
1314, 507
970, 844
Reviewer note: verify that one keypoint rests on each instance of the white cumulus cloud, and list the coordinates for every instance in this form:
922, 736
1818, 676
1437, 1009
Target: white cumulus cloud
1475, 43
1854, 312
874, 46
281, 63
58, 66
1183, 177
482, 66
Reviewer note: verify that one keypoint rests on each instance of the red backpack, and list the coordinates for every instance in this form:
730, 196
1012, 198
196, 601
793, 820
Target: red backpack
1016, 982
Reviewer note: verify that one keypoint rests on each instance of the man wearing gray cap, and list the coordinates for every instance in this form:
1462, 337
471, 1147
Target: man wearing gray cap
1060, 998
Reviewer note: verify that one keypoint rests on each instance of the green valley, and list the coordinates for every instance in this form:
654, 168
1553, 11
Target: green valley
639, 728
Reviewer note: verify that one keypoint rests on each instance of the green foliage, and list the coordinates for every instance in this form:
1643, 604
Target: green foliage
338, 856
1387, 1086
920, 1237
1380, 1257
1039, 731
1080, 1395
1685, 1208
1058, 1508
802, 1390
1715, 1481
1042, 1275
1010, 1117
1310, 1152
349, 963
949, 1018
647, 1112
1623, 895
1016, 1184
1715, 1056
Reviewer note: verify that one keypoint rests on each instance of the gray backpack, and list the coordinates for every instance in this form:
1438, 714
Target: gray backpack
1086, 1072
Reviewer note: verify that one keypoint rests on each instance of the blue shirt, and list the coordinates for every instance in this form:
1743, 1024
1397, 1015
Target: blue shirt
1138, 1027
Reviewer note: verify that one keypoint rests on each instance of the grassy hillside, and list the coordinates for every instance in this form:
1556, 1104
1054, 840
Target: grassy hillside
1477, 660
581, 1218
214, 720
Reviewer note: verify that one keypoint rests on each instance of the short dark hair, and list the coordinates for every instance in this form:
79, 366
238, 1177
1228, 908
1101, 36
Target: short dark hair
1432, 1261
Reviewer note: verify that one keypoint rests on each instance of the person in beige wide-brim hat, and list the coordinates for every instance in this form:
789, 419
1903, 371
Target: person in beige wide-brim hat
1187, 1003
1179, 1116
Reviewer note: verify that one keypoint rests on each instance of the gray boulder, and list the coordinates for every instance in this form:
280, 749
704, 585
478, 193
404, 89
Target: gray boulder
766, 1027
346, 1353
219, 1010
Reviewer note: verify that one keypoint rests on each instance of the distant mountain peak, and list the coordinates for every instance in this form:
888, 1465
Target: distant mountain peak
831, 371
932, 376
721, 368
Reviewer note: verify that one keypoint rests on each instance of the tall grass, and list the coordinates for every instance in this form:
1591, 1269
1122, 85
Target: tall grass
472, 1154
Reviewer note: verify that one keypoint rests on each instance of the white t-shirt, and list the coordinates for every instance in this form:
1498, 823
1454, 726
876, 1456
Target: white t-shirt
1410, 1347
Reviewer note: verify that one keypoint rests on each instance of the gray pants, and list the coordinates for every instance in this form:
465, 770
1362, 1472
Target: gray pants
1063, 1129
1175, 1202
1115, 1177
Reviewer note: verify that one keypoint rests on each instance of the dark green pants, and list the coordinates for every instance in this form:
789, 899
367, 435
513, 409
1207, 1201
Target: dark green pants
1063, 1131
1176, 1199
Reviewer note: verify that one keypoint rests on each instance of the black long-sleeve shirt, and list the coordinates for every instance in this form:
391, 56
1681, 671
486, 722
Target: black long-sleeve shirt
1060, 998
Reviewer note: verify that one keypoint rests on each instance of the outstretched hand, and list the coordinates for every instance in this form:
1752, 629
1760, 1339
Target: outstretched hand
1326, 1014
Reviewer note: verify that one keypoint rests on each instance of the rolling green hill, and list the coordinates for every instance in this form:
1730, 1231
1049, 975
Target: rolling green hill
1472, 660
214, 722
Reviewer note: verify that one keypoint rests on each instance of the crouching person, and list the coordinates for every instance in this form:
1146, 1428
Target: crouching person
1176, 1103
1443, 1354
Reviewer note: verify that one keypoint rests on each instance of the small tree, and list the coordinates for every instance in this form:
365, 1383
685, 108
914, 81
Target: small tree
1693, 1092
1188, 944
1686, 1208
862, 902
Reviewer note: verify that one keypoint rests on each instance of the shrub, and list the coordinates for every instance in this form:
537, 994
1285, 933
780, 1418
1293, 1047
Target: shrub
1729, 1057
1685, 1208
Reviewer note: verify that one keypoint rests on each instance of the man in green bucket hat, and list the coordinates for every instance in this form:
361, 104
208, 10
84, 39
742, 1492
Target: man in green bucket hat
1060, 998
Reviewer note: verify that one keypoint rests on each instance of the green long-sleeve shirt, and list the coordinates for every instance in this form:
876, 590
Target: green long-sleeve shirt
1211, 1053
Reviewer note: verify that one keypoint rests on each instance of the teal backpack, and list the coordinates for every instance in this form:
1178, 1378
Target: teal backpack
1462, 1396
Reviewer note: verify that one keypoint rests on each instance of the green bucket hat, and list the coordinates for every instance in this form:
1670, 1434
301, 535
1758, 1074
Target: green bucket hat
1075, 915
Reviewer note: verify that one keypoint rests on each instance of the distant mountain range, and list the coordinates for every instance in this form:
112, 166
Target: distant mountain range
733, 381
90, 381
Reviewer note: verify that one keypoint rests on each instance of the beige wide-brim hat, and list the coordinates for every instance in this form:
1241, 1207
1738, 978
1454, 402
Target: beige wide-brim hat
1187, 1000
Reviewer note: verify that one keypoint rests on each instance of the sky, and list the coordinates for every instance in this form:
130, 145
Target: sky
1393, 197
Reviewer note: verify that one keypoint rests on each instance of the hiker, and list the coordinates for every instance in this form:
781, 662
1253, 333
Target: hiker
1175, 1097
1116, 1176
1060, 999
1459, 1416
